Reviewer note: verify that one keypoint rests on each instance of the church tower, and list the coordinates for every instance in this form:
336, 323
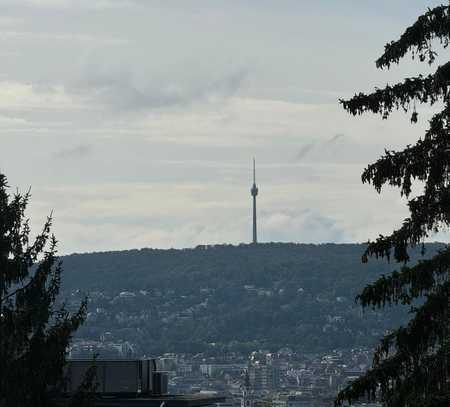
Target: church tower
254, 192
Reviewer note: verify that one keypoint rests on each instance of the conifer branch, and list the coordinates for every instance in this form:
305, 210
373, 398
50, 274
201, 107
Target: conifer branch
434, 24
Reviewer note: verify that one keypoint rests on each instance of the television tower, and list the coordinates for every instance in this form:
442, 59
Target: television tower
254, 192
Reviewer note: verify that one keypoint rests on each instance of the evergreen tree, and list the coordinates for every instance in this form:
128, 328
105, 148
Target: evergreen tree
411, 364
34, 331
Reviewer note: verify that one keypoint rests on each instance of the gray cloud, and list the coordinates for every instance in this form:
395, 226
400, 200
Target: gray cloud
324, 228
304, 151
78, 151
303, 226
69, 4
336, 138
121, 90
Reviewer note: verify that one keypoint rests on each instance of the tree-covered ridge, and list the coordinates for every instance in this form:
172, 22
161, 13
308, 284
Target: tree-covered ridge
329, 265
240, 298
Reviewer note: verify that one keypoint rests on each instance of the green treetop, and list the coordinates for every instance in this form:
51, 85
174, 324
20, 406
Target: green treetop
34, 332
411, 364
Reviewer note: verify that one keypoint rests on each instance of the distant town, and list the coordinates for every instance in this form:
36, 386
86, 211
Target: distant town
261, 378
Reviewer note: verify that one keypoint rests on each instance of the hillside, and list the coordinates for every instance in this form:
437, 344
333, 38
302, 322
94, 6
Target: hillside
237, 298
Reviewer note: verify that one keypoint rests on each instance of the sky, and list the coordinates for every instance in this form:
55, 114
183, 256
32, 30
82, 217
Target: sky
136, 121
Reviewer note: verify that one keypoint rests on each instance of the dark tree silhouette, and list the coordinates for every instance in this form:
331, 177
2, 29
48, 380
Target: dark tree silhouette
34, 331
411, 365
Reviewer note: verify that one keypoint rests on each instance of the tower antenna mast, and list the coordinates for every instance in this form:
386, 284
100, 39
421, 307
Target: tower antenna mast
254, 192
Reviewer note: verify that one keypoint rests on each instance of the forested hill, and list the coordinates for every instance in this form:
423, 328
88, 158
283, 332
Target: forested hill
271, 295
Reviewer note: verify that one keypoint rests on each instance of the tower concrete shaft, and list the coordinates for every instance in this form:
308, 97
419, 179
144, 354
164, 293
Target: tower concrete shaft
254, 192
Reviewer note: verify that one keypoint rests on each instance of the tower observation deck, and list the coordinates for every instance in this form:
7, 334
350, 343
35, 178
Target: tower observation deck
254, 192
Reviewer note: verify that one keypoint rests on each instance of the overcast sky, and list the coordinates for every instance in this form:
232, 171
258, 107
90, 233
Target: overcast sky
136, 120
